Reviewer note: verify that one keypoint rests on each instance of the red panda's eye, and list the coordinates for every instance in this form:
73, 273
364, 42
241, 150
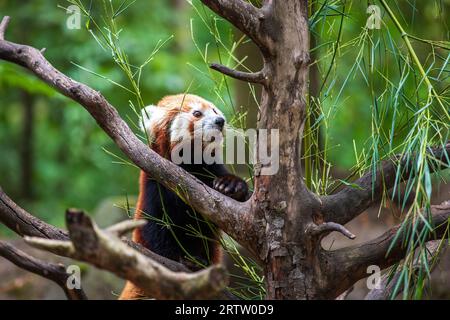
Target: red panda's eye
197, 114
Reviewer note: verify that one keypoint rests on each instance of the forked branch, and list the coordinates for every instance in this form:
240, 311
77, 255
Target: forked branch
103, 249
25, 224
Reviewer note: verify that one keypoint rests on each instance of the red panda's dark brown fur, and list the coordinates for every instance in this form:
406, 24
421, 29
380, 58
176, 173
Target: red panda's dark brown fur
162, 144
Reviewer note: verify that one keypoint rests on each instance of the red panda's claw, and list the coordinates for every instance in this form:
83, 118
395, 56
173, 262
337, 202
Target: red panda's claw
232, 186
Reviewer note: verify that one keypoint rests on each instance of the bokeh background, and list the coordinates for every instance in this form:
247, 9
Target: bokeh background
53, 155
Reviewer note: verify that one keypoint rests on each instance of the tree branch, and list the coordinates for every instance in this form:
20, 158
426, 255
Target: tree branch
25, 224
242, 15
351, 263
54, 272
348, 203
124, 227
229, 215
325, 228
252, 77
3, 26
106, 251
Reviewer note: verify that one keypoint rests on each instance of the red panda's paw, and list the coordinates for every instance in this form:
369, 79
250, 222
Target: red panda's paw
231, 186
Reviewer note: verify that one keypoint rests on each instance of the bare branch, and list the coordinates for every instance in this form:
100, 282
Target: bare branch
242, 15
106, 251
351, 263
230, 215
253, 77
350, 202
54, 272
388, 283
325, 228
63, 248
3, 27
25, 224
169, 264
125, 227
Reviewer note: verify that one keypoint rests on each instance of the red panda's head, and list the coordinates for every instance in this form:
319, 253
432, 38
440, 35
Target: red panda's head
180, 118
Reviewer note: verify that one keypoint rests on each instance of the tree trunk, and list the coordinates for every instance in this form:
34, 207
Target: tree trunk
281, 201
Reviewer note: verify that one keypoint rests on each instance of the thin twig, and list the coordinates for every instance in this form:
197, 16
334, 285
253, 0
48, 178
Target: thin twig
325, 228
3, 27
252, 77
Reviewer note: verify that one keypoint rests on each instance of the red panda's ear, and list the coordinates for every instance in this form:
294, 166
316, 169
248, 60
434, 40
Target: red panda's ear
151, 116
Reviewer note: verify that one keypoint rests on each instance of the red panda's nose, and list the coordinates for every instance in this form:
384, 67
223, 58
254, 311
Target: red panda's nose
220, 122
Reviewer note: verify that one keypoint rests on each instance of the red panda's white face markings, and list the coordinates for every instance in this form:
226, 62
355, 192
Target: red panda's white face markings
181, 118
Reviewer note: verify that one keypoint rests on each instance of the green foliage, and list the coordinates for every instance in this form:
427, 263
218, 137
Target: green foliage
382, 92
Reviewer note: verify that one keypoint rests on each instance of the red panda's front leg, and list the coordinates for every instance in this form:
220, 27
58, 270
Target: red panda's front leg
232, 186
227, 183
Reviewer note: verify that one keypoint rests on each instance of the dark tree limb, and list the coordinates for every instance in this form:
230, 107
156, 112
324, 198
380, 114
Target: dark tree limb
228, 214
348, 203
51, 271
25, 224
351, 263
105, 250
252, 77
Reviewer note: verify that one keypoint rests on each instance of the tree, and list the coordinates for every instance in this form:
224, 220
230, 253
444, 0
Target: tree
283, 223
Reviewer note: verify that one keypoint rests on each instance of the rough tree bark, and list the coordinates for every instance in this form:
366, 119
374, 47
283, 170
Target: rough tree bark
283, 223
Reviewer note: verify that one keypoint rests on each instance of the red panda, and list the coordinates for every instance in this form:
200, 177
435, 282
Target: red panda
176, 121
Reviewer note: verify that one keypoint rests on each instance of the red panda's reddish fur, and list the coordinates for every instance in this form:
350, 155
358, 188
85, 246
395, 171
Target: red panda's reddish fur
160, 143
